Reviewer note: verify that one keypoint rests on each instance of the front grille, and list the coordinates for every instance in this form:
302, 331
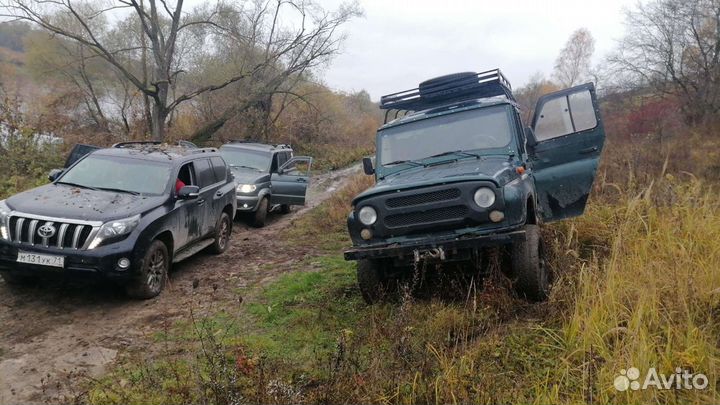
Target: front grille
67, 235
424, 198
438, 215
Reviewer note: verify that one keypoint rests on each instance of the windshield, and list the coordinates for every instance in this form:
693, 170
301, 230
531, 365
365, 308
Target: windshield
114, 173
247, 158
484, 128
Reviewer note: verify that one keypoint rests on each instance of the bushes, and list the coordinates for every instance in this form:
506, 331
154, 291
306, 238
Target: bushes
25, 164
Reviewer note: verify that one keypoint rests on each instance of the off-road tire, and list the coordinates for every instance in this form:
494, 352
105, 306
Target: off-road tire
153, 272
372, 279
17, 279
284, 209
529, 271
424, 86
222, 234
259, 216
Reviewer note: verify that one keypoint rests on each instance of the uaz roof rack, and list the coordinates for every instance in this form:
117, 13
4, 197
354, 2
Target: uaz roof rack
447, 89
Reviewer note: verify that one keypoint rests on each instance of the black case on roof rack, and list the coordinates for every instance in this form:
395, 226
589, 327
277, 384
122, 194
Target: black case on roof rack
448, 89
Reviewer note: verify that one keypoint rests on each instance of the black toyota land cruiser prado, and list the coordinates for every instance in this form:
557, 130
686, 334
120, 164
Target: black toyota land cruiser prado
124, 213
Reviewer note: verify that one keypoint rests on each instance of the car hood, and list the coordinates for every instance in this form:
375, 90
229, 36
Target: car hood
63, 201
499, 170
248, 176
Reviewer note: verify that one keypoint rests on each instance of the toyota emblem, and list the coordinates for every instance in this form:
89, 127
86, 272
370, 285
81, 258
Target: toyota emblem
46, 231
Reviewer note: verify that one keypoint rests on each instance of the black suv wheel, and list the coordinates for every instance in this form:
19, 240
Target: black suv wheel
531, 277
153, 272
222, 235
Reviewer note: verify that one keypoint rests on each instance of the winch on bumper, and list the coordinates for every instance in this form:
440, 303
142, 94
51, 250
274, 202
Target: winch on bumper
438, 248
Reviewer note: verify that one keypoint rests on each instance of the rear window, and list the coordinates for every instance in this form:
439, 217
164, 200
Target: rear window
219, 168
204, 172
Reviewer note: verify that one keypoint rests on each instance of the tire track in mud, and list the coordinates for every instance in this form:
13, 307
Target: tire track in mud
56, 333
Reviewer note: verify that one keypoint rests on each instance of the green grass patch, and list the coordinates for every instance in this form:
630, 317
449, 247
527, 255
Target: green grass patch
299, 316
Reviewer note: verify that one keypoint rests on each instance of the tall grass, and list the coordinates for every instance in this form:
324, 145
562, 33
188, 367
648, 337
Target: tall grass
650, 301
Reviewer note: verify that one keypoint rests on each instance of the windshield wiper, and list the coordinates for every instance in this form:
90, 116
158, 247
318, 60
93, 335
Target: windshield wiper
398, 162
76, 185
455, 152
118, 190
246, 167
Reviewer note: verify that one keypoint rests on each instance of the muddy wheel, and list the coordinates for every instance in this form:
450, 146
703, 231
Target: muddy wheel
222, 235
258, 219
372, 279
153, 273
284, 209
531, 277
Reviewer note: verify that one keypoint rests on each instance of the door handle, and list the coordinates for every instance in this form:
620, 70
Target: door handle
589, 150
301, 180
201, 202
219, 194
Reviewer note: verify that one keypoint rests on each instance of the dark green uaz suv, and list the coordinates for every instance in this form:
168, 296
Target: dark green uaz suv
457, 173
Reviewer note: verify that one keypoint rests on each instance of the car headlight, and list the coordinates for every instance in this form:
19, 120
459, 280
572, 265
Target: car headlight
114, 230
484, 197
4, 221
367, 215
246, 188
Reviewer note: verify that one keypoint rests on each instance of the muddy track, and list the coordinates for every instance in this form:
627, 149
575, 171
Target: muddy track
57, 332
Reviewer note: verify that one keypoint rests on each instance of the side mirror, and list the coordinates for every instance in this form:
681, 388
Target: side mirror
54, 174
530, 136
368, 166
189, 193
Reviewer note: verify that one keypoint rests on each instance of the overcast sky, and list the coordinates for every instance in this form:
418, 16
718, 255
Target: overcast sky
400, 43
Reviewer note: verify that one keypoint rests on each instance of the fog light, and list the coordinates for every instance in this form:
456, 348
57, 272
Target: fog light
366, 234
497, 216
245, 205
124, 263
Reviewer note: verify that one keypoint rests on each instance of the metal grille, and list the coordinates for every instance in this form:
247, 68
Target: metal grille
66, 236
454, 213
424, 198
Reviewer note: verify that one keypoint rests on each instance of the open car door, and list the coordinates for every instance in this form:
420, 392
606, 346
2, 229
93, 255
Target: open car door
290, 183
568, 138
78, 152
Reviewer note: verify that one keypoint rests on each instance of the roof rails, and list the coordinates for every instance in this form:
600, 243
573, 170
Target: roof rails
447, 89
202, 150
252, 141
130, 144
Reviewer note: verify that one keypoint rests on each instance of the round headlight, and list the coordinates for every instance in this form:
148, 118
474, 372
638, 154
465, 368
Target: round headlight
367, 215
484, 197
246, 188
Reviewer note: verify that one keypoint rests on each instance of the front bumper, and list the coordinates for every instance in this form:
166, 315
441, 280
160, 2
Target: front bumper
101, 261
451, 243
247, 203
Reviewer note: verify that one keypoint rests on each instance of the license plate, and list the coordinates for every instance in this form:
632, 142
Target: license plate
41, 260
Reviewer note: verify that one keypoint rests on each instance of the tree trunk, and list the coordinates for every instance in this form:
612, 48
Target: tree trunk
160, 111
159, 114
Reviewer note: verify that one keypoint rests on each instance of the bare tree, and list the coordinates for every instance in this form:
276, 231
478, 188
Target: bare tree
673, 46
279, 49
572, 66
528, 95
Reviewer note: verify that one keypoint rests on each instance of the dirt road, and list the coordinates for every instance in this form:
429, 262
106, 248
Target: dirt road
53, 333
